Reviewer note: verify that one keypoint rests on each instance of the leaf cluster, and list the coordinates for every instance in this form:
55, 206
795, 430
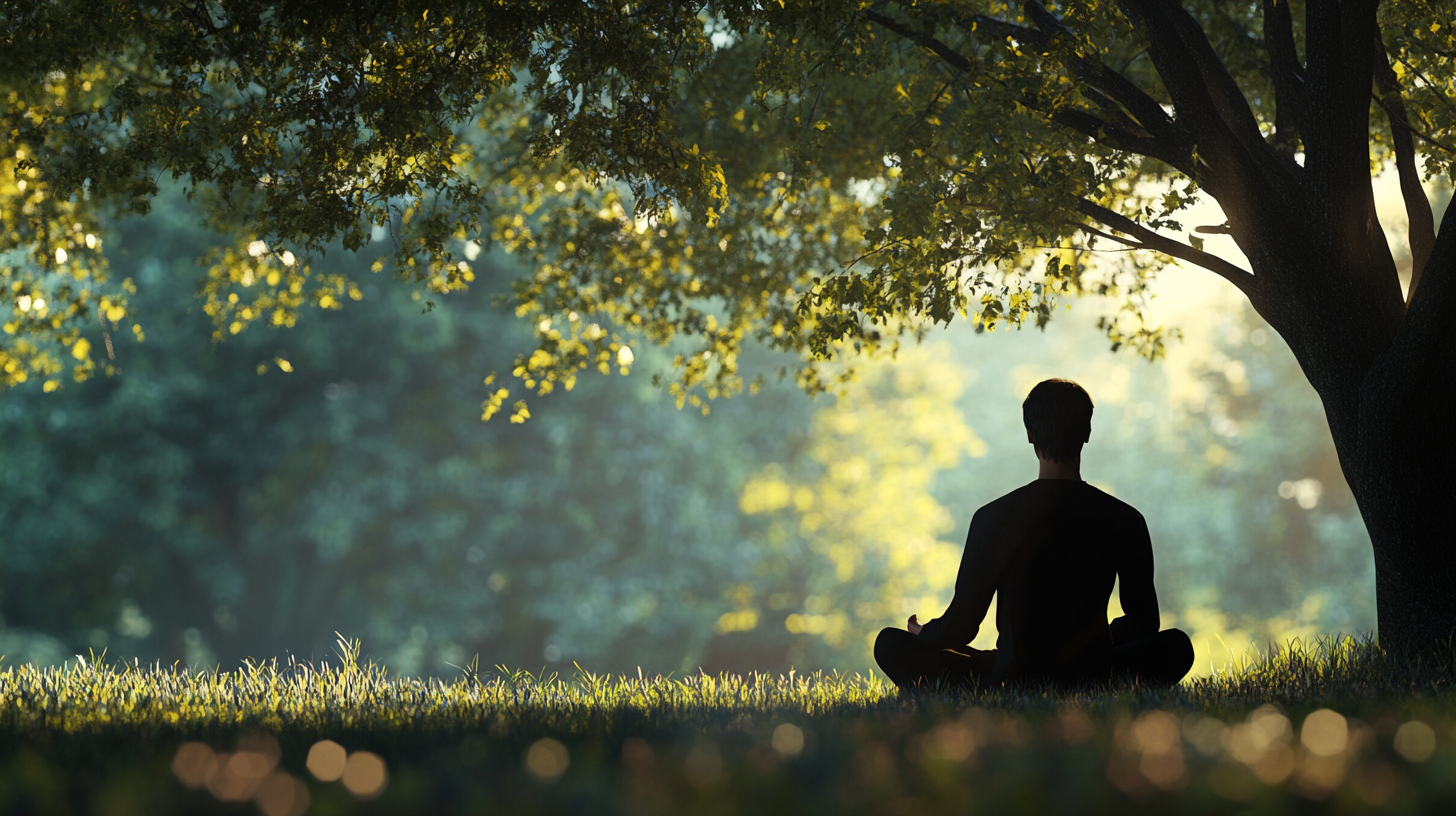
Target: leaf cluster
824, 177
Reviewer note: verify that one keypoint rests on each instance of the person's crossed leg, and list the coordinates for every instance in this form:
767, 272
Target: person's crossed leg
1159, 661
908, 664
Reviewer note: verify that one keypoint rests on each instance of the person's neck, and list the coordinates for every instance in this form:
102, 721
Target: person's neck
1052, 469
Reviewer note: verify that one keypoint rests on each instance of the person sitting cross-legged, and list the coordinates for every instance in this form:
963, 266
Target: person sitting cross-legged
1050, 551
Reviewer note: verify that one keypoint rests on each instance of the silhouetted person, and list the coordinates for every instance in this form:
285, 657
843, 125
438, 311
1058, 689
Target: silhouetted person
1050, 551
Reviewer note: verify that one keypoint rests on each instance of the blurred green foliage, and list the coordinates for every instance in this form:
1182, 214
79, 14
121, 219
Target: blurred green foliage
193, 509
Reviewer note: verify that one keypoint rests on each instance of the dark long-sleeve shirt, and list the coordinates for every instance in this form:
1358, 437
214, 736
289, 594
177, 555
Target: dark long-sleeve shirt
1051, 551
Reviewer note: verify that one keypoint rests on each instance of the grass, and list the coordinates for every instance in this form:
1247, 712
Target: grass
1335, 725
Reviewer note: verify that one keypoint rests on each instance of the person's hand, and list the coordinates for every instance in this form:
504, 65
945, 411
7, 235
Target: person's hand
913, 625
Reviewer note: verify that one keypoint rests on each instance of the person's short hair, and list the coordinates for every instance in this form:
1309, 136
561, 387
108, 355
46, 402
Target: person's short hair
1058, 417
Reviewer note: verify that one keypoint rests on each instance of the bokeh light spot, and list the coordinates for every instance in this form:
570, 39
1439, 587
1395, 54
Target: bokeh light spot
788, 740
237, 776
1325, 733
365, 775
282, 795
326, 760
1415, 741
193, 763
547, 760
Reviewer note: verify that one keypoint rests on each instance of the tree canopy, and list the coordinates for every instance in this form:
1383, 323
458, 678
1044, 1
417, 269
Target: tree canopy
822, 177
811, 175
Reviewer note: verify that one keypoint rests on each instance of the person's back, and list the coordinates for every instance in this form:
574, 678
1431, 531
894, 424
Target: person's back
1050, 552
1068, 541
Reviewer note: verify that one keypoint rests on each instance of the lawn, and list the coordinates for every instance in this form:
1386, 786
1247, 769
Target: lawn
1335, 725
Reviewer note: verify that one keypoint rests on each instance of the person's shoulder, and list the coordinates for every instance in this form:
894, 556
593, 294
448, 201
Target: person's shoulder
1110, 503
1007, 502
1018, 495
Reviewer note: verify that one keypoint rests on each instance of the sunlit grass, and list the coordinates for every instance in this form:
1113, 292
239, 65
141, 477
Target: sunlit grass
1333, 721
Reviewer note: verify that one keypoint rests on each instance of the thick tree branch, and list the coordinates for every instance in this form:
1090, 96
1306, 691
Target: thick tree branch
1291, 113
1121, 138
1095, 128
1422, 230
1146, 110
1001, 28
1427, 335
1340, 59
1147, 239
1204, 93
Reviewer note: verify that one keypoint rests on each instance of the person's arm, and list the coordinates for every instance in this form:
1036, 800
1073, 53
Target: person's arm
1135, 585
975, 584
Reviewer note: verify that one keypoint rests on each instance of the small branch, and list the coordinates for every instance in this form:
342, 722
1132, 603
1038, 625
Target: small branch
1415, 43
922, 38
1115, 112
1439, 97
1422, 229
1001, 28
1091, 230
1092, 127
1414, 131
875, 251
1147, 239
1130, 245
813, 109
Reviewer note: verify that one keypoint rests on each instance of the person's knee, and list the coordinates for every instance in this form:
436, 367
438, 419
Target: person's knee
1177, 649
890, 643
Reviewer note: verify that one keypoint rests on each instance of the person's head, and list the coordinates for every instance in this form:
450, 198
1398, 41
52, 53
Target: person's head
1058, 417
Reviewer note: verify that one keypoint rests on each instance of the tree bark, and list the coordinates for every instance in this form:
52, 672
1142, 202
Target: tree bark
1403, 474
1389, 394
1390, 397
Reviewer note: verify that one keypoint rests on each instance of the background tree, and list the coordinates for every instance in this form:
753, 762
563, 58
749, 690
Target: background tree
823, 178
191, 509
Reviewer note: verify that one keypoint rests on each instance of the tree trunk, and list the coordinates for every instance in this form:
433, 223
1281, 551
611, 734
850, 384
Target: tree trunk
1404, 489
1402, 474
1386, 375
1390, 397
